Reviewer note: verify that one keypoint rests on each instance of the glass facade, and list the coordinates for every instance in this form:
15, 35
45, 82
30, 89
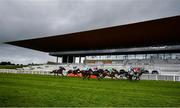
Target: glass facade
136, 56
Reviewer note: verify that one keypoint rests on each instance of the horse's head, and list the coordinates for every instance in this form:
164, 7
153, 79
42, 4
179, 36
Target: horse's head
100, 70
90, 69
115, 70
106, 70
81, 71
62, 68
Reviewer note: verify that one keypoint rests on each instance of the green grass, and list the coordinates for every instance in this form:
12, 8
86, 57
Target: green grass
10, 66
37, 90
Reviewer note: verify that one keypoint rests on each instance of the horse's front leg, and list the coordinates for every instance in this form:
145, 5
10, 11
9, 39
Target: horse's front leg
138, 78
62, 75
121, 77
102, 76
88, 76
116, 77
79, 75
98, 77
130, 78
83, 76
111, 76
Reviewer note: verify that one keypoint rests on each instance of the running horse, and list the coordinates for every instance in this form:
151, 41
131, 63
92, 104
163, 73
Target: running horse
138, 71
97, 73
86, 74
123, 73
114, 73
75, 72
135, 73
111, 74
104, 73
59, 71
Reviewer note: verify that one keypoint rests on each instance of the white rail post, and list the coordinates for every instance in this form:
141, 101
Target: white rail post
148, 77
156, 77
174, 78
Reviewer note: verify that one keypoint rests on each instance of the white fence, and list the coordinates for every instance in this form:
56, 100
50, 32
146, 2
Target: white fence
160, 77
25, 71
143, 77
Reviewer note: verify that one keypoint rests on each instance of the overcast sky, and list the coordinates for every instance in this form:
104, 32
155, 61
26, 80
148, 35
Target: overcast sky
25, 19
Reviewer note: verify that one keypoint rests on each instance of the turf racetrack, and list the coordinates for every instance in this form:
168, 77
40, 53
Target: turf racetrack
38, 90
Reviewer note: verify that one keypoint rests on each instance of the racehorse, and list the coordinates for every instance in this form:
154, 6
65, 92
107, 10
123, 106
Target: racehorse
59, 71
97, 73
86, 74
75, 72
135, 73
123, 73
112, 74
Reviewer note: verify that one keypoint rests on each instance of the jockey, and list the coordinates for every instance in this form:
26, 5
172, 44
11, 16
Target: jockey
131, 71
74, 68
110, 70
95, 69
142, 69
85, 68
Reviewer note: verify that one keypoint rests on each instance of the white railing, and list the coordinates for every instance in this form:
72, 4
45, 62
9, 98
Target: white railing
160, 77
143, 77
25, 71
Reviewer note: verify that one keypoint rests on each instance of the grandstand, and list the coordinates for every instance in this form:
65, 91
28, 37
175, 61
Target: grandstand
153, 45
163, 67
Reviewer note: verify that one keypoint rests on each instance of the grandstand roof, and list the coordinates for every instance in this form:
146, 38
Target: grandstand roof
160, 32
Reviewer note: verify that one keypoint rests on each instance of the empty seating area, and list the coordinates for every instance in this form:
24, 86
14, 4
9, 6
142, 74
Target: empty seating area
166, 67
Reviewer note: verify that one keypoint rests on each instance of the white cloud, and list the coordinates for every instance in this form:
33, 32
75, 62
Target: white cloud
22, 55
23, 19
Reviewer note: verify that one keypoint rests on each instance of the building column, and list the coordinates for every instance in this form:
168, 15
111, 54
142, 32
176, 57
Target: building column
79, 59
57, 60
60, 60
85, 60
74, 59
67, 59
64, 59
145, 56
164, 56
